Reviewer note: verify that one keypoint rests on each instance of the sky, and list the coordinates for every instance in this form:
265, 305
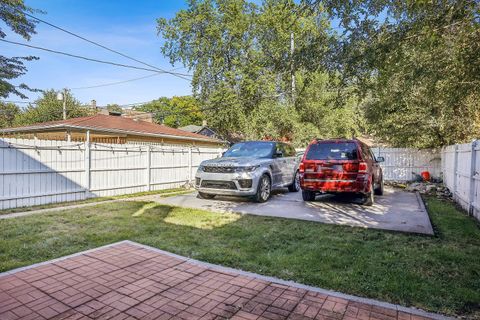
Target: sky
123, 25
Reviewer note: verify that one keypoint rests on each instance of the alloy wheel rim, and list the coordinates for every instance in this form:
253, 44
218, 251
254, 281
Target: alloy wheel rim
297, 181
265, 188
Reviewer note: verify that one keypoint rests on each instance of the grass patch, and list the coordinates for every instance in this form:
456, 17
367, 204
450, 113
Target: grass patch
93, 200
439, 274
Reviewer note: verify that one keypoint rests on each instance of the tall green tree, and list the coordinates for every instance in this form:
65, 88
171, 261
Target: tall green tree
11, 13
8, 112
241, 57
406, 71
114, 107
48, 108
175, 112
416, 63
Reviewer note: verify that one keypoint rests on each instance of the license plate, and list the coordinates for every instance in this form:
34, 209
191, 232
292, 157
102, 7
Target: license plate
336, 167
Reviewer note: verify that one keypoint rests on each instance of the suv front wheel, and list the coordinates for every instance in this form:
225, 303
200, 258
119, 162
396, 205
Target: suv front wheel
264, 189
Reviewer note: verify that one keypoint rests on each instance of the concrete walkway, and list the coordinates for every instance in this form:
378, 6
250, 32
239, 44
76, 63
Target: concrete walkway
127, 280
395, 210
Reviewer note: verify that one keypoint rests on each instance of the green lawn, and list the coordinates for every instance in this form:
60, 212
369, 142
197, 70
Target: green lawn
440, 274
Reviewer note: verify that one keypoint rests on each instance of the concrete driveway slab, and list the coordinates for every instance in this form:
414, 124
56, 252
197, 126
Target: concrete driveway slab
395, 210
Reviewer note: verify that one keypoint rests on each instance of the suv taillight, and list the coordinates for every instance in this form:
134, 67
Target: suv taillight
362, 167
350, 167
301, 168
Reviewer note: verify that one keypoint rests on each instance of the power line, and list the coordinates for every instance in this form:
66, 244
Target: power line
115, 83
120, 82
91, 59
102, 46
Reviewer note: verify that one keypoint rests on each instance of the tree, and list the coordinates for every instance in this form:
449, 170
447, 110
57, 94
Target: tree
174, 112
416, 63
406, 71
8, 112
11, 13
240, 56
317, 105
114, 108
48, 108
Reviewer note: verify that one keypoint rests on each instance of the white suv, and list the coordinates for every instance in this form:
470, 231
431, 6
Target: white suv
251, 168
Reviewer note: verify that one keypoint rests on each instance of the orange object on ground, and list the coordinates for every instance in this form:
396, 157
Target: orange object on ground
425, 175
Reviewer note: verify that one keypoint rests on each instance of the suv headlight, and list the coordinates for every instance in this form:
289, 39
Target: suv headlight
246, 169
200, 168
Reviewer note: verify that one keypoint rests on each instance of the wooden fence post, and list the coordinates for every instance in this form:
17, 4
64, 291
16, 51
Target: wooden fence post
149, 165
87, 164
473, 160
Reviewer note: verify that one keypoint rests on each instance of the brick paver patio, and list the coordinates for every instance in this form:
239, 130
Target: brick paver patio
129, 281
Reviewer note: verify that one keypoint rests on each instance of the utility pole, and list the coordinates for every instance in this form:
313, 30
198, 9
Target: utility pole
65, 104
62, 96
292, 70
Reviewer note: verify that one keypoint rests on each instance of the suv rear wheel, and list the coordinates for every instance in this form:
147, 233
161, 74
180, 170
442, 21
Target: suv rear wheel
264, 189
368, 199
295, 186
203, 195
379, 188
308, 195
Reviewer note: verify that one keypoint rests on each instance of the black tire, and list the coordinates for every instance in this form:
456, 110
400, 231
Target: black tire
379, 189
295, 186
264, 189
308, 195
203, 195
368, 199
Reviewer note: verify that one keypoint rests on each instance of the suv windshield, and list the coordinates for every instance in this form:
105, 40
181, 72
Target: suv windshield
256, 149
332, 151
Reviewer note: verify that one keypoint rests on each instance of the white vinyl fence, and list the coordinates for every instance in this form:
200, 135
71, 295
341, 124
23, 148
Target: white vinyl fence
403, 164
461, 175
34, 172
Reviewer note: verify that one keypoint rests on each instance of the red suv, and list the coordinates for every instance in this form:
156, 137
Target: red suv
340, 166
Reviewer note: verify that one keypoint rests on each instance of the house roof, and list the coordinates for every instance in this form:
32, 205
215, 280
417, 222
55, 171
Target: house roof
112, 124
191, 128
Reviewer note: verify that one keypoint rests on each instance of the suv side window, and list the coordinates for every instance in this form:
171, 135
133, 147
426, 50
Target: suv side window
279, 148
289, 150
293, 152
366, 152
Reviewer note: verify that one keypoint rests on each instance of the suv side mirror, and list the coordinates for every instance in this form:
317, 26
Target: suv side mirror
278, 154
380, 159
